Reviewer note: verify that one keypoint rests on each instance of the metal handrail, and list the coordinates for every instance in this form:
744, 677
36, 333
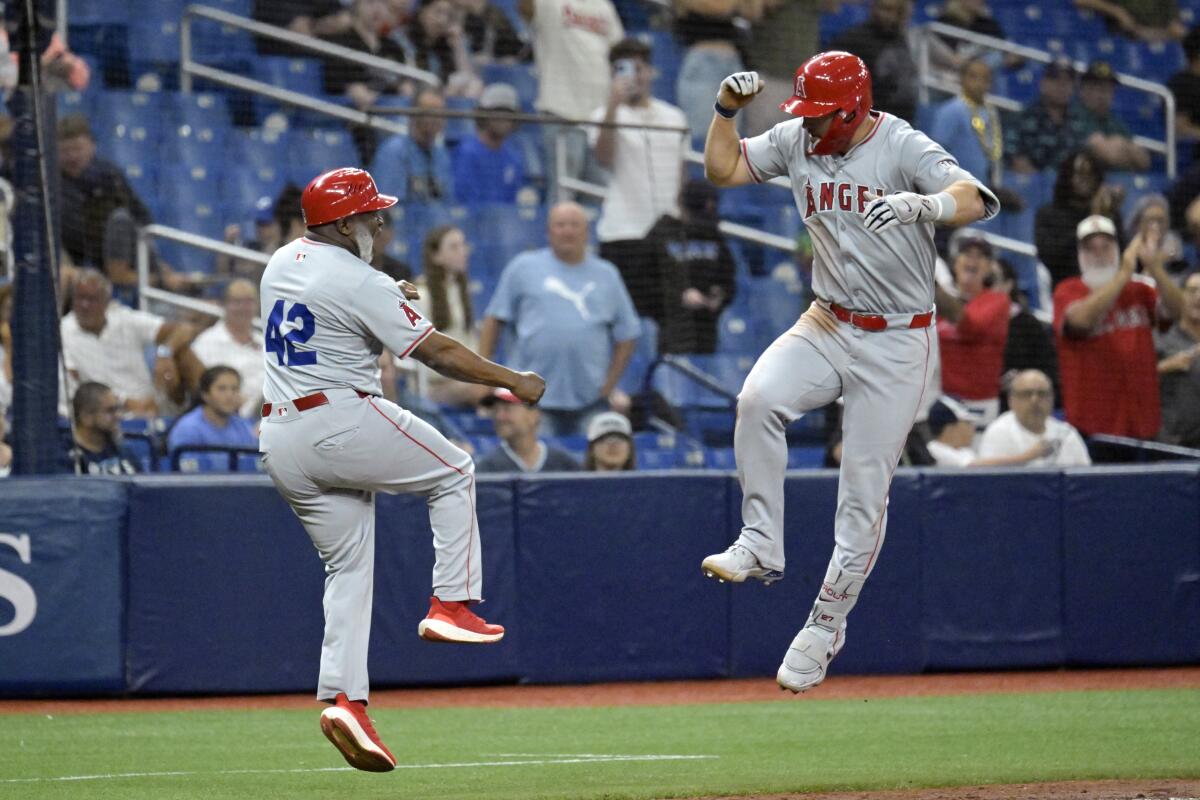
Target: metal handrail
927, 79
292, 38
146, 292
1147, 446
689, 371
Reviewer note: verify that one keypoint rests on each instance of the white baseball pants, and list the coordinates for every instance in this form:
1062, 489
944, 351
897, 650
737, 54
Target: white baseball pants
328, 462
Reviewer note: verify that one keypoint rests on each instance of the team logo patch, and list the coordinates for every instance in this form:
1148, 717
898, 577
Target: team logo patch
800, 86
301, 256
410, 313
947, 164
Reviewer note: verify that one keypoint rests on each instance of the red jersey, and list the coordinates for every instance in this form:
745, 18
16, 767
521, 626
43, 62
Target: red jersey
1110, 375
973, 348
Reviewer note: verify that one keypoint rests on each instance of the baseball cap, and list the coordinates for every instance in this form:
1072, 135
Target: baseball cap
499, 395
1100, 72
1059, 68
264, 210
1093, 225
946, 411
699, 197
963, 238
499, 96
608, 422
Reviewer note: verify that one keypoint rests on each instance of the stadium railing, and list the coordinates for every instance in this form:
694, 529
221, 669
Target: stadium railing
929, 78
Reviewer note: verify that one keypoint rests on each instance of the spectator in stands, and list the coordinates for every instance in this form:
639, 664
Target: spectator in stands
1152, 217
646, 168
970, 15
1079, 191
106, 342
713, 33
490, 33
326, 18
489, 167
882, 42
953, 429
1107, 136
416, 168
571, 40
785, 35
268, 236
101, 212
520, 449
1027, 433
1104, 320
1146, 20
1179, 370
214, 422
1185, 85
95, 447
696, 270
233, 341
610, 444
442, 47
445, 295
1030, 342
1045, 134
969, 127
570, 315
972, 326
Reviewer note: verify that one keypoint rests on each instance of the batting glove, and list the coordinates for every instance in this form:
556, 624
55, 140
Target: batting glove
906, 208
739, 89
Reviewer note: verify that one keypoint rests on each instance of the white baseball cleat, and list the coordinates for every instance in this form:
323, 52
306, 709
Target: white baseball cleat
807, 660
736, 564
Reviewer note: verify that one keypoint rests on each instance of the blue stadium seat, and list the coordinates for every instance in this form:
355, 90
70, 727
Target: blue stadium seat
521, 76
666, 56
154, 40
738, 332
243, 189
136, 116
249, 462
198, 109
811, 457
1158, 61
459, 128
314, 151
654, 459
96, 12
1136, 185
849, 15
259, 150
191, 200
776, 304
214, 43
720, 458
201, 461
301, 75
470, 423
75, 103
498, 232
143, 178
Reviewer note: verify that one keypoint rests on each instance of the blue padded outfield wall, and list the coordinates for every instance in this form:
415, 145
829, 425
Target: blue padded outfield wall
203, 585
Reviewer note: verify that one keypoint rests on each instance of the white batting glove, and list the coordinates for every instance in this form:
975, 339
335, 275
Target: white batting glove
906, 208
739, 89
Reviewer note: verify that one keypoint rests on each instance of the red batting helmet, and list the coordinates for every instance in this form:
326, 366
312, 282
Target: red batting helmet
828, 82
341, 193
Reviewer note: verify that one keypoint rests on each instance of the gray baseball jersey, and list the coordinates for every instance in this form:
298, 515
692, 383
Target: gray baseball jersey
360, 310
328, 316
885, 272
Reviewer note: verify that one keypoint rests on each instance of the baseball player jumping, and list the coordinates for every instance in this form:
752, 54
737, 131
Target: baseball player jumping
330, 441
870, 189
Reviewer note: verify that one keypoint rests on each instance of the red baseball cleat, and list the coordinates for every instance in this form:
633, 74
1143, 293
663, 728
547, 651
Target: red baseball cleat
452, 621
347, 725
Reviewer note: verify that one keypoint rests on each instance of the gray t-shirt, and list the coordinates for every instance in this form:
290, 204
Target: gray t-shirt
888, 272
328, 316
566, 318
1180, 390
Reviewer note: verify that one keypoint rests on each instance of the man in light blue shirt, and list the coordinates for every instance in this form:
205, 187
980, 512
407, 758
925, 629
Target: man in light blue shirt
573, 322
417, 167
968, 127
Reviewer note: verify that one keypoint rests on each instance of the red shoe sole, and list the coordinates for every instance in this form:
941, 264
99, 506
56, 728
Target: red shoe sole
435, 630
341, 738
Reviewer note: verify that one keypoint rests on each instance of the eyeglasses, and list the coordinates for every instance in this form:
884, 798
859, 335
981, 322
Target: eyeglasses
1027, 394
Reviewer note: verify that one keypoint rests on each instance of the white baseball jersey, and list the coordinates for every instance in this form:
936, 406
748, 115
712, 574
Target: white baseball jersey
888, 272
328, 316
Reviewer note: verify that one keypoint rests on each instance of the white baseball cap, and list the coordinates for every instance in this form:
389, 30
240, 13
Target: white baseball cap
1093, 225
608, 422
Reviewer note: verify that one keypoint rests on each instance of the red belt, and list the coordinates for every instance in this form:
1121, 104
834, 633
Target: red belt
875, 322
311, 401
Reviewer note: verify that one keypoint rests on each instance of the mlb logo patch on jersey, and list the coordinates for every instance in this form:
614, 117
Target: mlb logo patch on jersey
301, 256
410, 313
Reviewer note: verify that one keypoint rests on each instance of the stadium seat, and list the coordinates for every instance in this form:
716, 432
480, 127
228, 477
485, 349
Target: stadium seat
666, 56
654, 459
778, 305
96, 12
720, 458
301, 75
811, 457
143, 179
314, 151
243, 189
136, 116
190, 200
214, 43
499, 231
520, 76
849, 15
249, 462
154, 40
737, 332
201, 461
259, 150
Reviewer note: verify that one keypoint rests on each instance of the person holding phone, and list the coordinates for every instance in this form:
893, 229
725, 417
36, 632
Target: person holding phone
646, 169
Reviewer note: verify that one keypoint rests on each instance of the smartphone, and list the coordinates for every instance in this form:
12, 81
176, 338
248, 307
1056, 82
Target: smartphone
625, 68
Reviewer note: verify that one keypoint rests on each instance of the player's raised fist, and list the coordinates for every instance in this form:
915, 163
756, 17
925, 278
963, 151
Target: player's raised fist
739, 89
529, 387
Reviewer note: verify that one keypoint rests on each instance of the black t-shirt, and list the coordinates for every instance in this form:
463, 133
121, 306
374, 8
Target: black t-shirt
339, 73
984, 26
281, 13
1186, 88
893, 71
114, 459
690, 256
88, 201
499, 460
492, 34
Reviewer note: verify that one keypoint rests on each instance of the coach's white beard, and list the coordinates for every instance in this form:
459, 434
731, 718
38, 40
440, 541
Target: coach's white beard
365, 242
1096, 274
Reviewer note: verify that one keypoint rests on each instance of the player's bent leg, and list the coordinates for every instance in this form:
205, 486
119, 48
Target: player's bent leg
791, 377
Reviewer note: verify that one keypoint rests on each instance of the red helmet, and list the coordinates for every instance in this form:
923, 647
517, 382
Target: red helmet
341, 193
827, 82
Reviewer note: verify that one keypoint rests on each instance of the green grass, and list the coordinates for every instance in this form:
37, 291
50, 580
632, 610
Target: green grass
759, 747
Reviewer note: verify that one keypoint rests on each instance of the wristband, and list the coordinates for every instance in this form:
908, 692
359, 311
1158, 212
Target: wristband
947, 206
727, 113
164, 351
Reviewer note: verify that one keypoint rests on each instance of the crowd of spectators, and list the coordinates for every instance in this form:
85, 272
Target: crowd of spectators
1116, 348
